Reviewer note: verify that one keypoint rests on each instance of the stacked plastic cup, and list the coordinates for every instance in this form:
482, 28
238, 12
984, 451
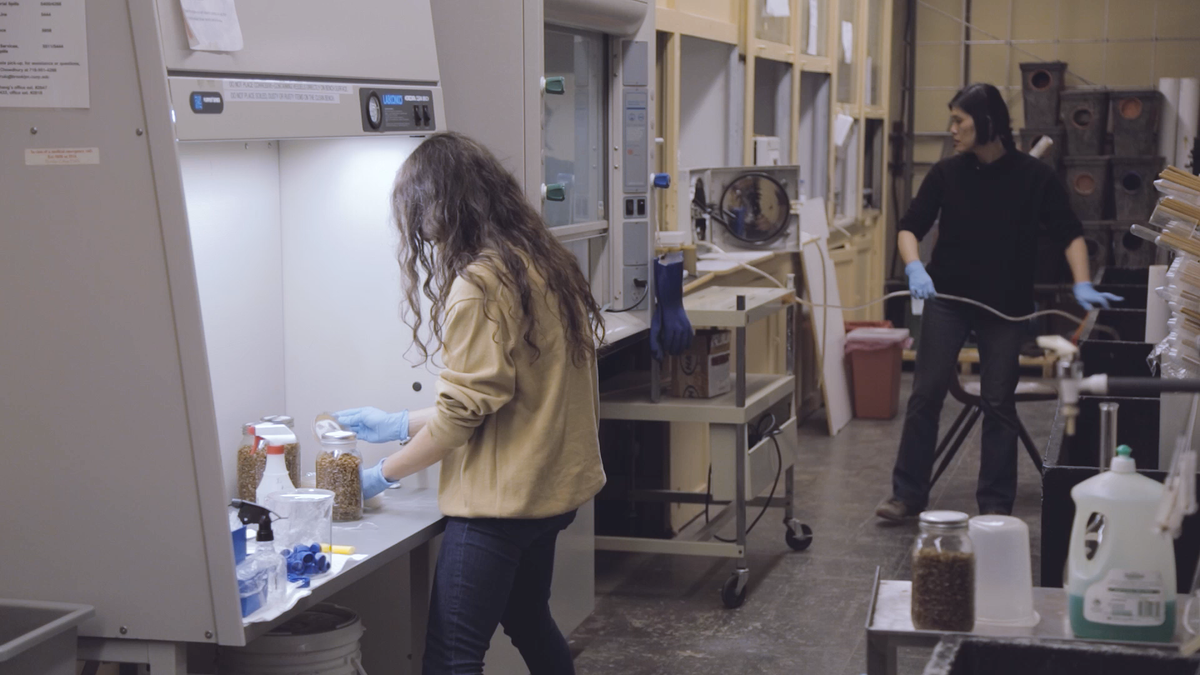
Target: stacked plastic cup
1003, 576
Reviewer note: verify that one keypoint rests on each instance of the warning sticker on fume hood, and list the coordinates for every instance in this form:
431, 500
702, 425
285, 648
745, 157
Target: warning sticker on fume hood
280, 91
61, 156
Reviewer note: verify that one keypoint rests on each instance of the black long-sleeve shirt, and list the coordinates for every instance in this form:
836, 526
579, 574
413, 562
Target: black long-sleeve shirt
991, 216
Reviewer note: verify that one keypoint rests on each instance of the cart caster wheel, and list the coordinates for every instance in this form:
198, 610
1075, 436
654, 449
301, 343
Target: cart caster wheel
730, 594
799, 543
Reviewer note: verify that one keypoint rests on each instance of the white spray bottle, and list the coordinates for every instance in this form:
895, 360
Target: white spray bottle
275, 475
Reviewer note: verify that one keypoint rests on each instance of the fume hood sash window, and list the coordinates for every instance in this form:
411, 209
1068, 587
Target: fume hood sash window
573, 128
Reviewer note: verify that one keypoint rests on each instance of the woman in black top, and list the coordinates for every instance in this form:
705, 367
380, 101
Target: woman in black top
992, 203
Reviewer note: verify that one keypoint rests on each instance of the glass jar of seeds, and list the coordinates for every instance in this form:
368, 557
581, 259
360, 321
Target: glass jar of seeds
251, 462
339, 467
291, 451
943, 570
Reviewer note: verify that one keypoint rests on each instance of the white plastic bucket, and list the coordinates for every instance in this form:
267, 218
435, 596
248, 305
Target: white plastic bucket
323, 640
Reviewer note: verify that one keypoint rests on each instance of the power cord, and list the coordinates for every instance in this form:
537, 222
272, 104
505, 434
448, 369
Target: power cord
771, 433
635, 305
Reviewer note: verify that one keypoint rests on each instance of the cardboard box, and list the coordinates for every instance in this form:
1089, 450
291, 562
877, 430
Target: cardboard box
703, 370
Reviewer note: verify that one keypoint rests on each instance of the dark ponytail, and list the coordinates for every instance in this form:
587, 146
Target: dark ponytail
987, 108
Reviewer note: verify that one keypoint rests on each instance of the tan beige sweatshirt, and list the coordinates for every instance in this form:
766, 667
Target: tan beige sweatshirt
524, 430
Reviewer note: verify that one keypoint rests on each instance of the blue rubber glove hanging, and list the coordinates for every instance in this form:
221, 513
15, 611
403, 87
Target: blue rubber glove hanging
674, 332
1089, 298
374, 425
920, 284
374, 482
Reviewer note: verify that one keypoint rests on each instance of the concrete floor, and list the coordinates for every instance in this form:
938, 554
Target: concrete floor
806, 611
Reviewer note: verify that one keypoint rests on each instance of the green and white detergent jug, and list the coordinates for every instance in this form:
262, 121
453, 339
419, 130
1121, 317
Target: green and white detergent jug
1120, 569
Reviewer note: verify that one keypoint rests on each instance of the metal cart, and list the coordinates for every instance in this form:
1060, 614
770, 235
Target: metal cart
739, 473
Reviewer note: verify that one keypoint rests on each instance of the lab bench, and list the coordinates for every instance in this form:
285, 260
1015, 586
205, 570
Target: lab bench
889, 625
405, 523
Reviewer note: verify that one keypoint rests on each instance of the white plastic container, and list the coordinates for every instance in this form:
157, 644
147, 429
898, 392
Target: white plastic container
1003, 575
1120, 568
305, 517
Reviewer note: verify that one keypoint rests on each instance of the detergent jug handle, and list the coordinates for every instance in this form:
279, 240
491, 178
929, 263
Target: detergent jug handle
1080, 564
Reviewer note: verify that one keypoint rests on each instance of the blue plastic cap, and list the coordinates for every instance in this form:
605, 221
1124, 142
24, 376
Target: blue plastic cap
295, 567
315, 548
662, 180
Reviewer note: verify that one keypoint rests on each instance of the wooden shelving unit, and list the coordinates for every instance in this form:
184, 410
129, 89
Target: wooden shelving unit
785, 41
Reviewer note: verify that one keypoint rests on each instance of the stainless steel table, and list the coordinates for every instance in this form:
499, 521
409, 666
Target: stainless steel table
889, 624
408, 520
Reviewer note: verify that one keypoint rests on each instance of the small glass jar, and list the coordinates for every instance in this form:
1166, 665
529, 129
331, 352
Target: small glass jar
251, 462
943, 570
339, 469
291, 451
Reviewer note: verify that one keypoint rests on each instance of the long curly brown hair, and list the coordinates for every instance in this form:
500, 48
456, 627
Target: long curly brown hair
456, 206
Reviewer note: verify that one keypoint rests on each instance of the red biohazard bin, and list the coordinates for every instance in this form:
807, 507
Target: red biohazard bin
874, 357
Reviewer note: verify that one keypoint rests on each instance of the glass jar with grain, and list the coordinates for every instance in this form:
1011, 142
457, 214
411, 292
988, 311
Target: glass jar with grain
339, 467
291, 451
251, 462
943, 569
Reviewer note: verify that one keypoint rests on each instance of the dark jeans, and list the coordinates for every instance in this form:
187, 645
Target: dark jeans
945, 326
494, 572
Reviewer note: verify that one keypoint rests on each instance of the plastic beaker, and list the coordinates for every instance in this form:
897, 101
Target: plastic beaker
305, 517
1003, 575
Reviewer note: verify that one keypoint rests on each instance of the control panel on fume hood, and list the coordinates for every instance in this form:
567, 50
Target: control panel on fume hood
397, 109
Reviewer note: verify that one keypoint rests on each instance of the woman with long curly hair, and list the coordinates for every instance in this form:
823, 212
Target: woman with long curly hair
516, 414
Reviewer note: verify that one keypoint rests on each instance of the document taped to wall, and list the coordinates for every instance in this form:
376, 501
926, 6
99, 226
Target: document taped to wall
43, 55
212, 25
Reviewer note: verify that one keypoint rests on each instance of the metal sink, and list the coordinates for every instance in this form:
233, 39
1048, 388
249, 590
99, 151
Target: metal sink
974, 656
39, 637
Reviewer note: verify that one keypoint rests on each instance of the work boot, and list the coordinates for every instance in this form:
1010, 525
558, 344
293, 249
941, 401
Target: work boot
896, 511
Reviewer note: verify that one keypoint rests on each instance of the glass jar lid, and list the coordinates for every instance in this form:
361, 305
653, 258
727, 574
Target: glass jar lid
323, 424
339, 438
944, 519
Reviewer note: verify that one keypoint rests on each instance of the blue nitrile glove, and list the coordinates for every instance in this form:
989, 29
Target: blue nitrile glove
373, 481
674, 334
1089, 298
375, 426
920, 284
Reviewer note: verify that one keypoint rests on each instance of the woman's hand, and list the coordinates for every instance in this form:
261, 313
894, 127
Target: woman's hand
373, 481
920, 284
1089, 298
374, 425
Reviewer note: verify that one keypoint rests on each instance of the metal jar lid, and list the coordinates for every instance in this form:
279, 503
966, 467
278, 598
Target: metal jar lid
286, 420
339, 438
944, 518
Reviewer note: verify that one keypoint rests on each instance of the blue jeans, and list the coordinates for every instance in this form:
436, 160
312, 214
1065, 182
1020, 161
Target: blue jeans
945, 326
493, 572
